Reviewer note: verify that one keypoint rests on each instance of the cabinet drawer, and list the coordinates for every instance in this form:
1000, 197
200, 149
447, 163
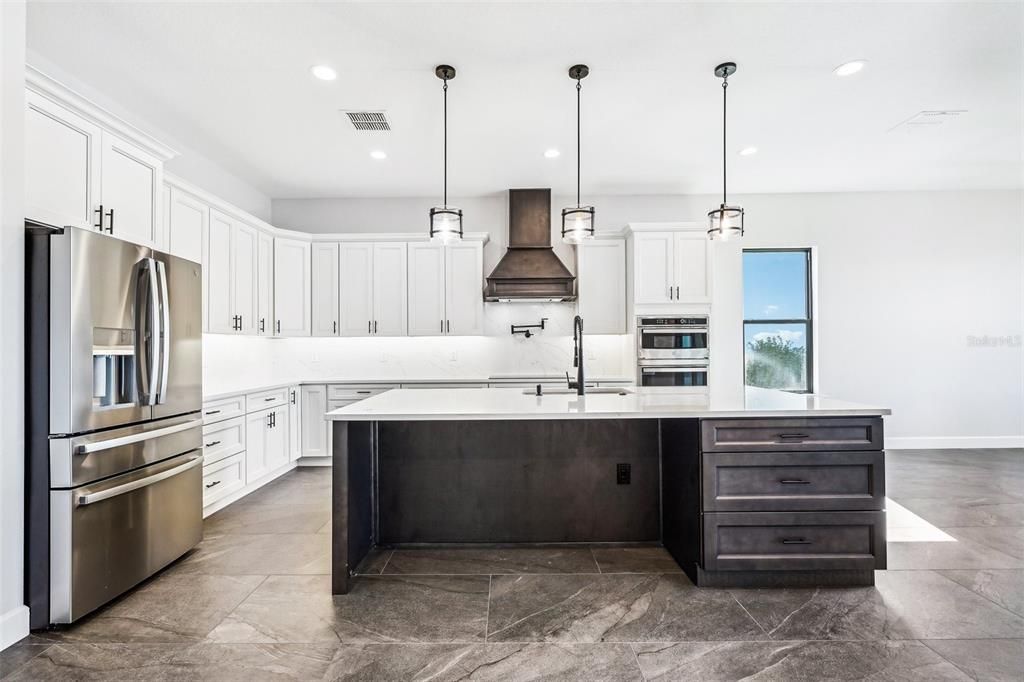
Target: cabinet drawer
793, 481
223, 439
225, 408
791, 434
336, 404
222, 478
780, 541
356, 391
265, 399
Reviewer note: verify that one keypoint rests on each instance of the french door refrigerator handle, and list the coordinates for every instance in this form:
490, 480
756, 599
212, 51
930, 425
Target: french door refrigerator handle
147, 323
91, 498
165, 332
99, 446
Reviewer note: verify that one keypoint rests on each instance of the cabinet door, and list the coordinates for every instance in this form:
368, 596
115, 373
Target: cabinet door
131, 185
315, 436
691, 265
257, 425
426, 289
294, 425
292, 284
325, 289
217, 274
265, 274
277, 439
464, 302
244, 277
62, 165
389, 289
187, 219
601, 286
653, 273
356, 277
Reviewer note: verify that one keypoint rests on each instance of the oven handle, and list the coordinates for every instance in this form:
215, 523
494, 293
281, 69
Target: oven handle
672, 330
674, 370
91, 498
99, 446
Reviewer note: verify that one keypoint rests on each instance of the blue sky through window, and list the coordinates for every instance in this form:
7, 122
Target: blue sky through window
774, 285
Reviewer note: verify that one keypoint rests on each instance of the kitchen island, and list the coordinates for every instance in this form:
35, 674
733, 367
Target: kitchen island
760, 489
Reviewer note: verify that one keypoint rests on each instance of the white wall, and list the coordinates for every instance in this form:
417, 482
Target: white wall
189, 165
13, 612
904, 279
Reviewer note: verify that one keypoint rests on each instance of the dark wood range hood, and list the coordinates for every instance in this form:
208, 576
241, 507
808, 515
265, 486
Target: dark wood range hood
530, 270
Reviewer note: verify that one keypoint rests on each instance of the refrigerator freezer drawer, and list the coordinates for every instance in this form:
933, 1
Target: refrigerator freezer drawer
107, 537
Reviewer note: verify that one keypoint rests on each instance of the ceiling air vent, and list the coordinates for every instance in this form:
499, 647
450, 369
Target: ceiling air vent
369, 120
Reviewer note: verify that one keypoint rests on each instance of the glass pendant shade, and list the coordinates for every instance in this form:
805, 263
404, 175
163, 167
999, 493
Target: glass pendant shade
724, 222
577, 224
445, 224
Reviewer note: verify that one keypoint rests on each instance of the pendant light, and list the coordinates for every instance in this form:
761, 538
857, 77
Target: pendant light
578, 220
445, 220
725, 221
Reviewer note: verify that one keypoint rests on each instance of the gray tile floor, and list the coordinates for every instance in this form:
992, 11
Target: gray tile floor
253, 602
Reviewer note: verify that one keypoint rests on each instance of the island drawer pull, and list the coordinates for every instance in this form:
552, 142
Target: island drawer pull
210, 445
794, 481
795, 541
210, 485
794, 436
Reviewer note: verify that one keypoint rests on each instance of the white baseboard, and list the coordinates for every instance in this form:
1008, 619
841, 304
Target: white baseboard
952, 442
13, 626
315, 461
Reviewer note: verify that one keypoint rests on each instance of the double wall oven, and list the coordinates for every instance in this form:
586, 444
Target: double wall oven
673, 351
114, 470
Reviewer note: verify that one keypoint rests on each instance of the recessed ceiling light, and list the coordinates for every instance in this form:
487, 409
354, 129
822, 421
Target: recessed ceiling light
324, 72
850, 68
748, 151
552, 153
378, 154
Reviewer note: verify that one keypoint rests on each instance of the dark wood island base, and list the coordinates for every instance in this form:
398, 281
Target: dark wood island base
744, 502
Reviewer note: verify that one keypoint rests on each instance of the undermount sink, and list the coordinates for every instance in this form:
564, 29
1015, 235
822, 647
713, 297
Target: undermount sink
561, 390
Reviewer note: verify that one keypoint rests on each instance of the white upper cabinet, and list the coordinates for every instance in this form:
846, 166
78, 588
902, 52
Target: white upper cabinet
62, 161
325, 288
187, 221
670, 267
601, 285
131, 189
86, 169
245, 276
426, 289
654, 280
389, 289
217, 273
292, 283
464, 302
265, 273
356, 279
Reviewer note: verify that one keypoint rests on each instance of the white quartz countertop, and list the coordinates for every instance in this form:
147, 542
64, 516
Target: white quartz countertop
641, 403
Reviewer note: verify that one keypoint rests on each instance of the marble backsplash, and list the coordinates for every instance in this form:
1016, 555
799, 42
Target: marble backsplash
240, 362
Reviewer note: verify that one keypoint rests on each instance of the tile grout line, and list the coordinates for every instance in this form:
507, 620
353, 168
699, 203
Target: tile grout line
986, 598
636, 659
750, 615
924, 643
487, 617
386, 562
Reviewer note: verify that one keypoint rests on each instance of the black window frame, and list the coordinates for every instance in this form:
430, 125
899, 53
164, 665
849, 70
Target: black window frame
808, 322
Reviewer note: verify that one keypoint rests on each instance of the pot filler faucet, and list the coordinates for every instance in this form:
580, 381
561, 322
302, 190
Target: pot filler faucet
577, 356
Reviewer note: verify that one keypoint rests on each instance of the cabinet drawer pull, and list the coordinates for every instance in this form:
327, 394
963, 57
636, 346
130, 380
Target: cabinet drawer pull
794, 481
363, 392
793, 436
212, 412
210, 445
210, 485
795, 541
267, 400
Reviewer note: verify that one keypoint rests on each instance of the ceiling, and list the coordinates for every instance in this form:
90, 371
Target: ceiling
233, 80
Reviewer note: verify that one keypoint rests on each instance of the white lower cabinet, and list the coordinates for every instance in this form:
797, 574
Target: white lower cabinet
223, 439
266, 442
294, 424
222, 478
315, 436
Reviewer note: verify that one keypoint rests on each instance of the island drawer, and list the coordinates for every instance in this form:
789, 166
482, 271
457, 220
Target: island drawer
223, 439
265, 399
791, 434
782, 541
225, 408
794, 481
356, 391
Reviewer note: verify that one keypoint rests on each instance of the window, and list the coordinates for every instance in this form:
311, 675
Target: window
777, 330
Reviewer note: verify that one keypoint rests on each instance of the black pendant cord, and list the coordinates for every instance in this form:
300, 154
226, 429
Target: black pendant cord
725, 174
578, 146
445, 203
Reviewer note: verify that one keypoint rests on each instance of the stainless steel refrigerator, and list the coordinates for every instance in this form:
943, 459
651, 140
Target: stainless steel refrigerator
114, 393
